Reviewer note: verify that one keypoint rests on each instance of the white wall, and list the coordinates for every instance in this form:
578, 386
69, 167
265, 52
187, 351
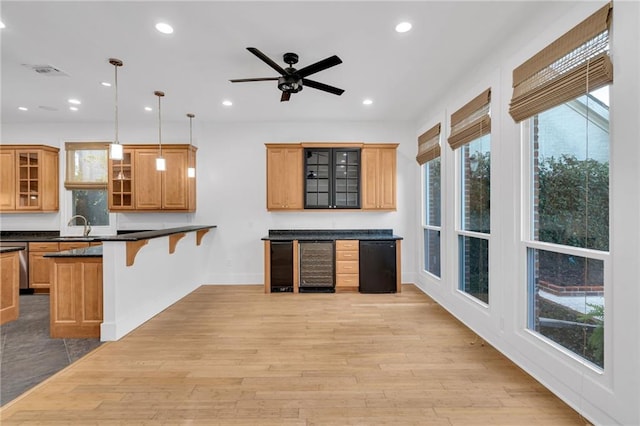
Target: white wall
609, 397
231, 188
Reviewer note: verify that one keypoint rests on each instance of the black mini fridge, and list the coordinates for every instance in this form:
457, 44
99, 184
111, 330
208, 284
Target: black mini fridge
378, 266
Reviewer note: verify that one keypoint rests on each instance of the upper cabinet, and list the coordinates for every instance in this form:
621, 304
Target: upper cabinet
284, 177
136, 186
379, 177
28, 178
331, 176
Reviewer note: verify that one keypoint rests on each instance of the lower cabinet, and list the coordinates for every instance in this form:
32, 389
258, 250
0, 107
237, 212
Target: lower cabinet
347, 265
76, 297
41, 267
371, 266
9, 286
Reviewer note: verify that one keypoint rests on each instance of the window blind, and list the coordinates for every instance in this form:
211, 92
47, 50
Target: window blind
86, 165
560, 72
471, 121
429, 145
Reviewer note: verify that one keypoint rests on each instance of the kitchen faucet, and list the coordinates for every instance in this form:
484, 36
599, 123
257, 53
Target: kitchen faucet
87, 225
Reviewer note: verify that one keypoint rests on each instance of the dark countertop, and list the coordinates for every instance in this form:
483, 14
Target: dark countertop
10, 249
330, 234
54, 236
93, 251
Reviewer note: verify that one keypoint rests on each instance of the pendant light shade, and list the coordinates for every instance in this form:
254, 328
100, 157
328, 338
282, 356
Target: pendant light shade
115, 148
161, 165
191, 171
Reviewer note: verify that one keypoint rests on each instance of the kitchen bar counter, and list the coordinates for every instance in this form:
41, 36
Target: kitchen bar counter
54, 236
330, 234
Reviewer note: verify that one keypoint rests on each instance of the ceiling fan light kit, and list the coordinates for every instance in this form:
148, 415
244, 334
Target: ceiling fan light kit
292, 80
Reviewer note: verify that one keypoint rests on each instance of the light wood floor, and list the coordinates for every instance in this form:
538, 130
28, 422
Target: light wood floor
230, 355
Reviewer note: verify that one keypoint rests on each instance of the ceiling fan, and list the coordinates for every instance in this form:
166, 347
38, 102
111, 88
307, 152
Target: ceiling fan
292, 80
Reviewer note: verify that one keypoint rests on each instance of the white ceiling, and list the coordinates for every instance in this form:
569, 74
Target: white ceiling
193, 65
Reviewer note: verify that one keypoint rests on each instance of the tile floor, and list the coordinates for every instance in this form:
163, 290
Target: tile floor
28, 354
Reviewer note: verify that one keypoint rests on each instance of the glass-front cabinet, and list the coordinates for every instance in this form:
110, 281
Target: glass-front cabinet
29, 175
332, 178
121, 191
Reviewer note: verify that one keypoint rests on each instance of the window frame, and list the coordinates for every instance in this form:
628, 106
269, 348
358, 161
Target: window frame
67, 196
425, 212
527, 243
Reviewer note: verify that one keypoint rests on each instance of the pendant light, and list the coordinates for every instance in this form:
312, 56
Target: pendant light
115, 148
191, 171
160, 162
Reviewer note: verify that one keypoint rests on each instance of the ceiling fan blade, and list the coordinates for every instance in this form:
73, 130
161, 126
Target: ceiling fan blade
319, 66
322, 86
267, 60
285, 96
243, 80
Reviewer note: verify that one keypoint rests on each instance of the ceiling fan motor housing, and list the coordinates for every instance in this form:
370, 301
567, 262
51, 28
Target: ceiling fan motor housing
290, 83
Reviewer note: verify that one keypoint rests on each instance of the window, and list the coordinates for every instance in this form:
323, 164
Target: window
568, 242
86, 180
429, 158
332, 178
471, 137
561, 94
473, 235
432, 223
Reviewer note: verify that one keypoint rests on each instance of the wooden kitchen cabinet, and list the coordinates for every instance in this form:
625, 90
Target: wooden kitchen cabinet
40, 267
135, 185
284, 177
379, 177
347, 265
9, 286
29, 178
76, 297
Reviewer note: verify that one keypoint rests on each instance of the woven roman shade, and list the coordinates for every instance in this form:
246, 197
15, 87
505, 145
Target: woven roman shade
561, 71
471, 121
429, 145
78, 178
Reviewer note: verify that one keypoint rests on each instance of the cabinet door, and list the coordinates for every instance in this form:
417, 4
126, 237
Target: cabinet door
379, 178
76, 298
175, 188
332, 178
147, 180
387, 178
121, 195
284, 178
48, 181
40, 270
28, 180
9, 286
7, 180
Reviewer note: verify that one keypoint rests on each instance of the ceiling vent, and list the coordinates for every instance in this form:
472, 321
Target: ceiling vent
47, 70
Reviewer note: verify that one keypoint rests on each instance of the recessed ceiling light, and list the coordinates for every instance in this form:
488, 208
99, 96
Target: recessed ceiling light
164, 28
74, 101
106, 84
23, 108
72, 108
2, 24
148, 109
403, 27
367, 102
227, 103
